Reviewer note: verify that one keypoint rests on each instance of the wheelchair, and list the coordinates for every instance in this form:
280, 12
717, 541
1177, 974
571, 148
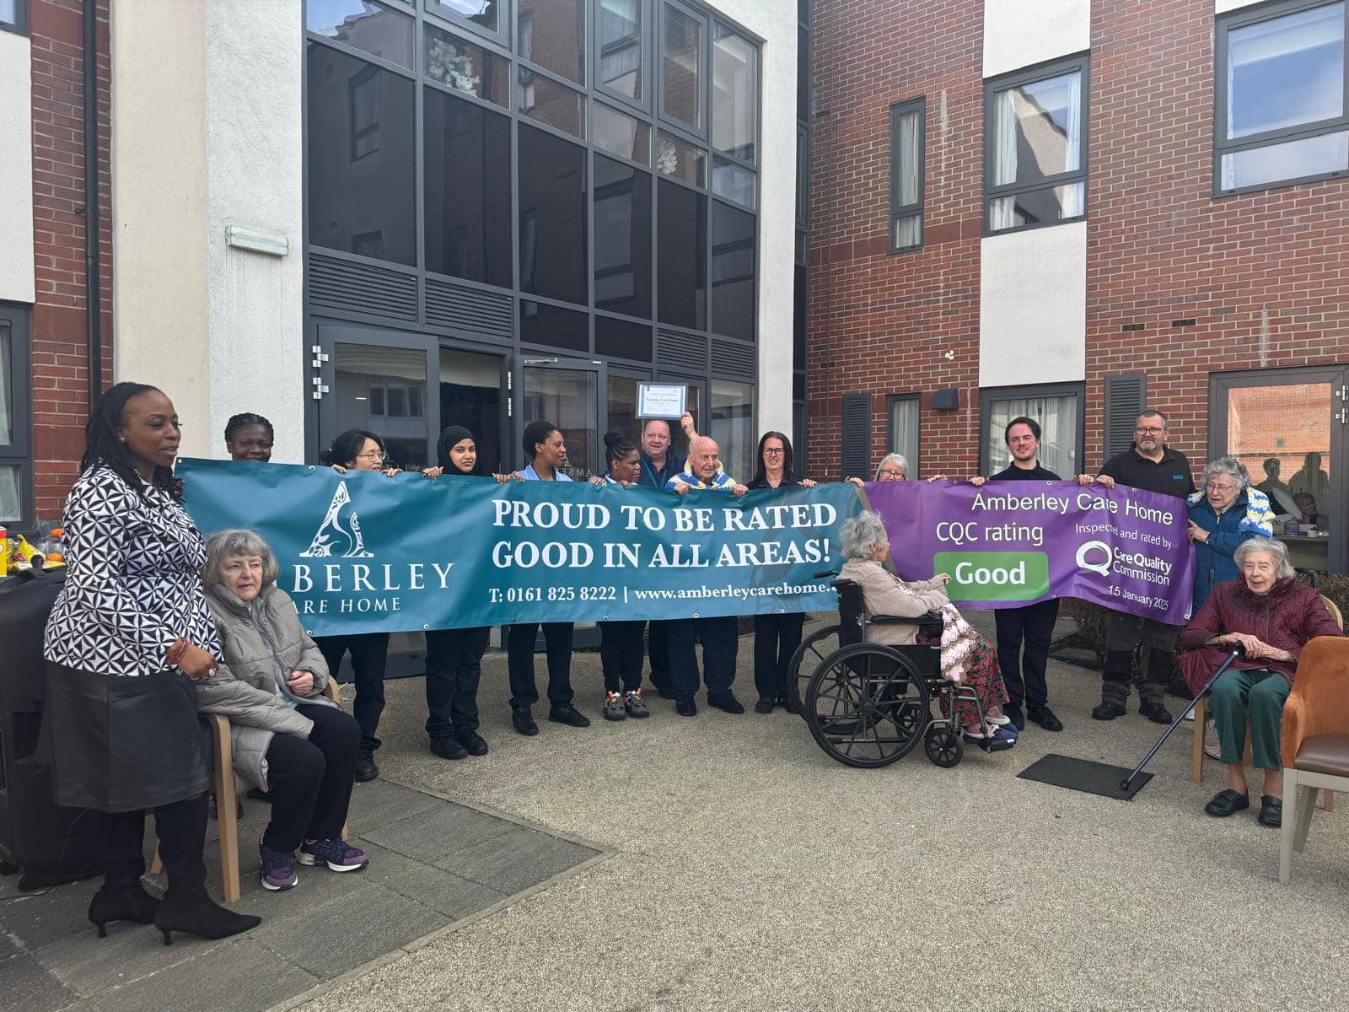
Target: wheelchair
869, 704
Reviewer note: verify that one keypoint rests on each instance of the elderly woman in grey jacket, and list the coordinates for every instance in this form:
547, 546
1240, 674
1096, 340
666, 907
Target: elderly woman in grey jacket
287, 738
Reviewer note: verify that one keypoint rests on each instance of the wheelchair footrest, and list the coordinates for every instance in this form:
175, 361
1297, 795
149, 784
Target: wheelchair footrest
997, 743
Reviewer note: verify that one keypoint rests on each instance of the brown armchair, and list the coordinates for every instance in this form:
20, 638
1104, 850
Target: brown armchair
1314, 739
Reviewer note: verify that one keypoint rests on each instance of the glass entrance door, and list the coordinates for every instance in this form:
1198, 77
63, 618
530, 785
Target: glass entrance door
1287, 426
473, 394
380, 381
572, 394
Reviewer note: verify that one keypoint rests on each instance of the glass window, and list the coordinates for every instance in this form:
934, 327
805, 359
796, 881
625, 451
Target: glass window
622, 339
9, 12
800, 315
13, 421
553, 260
682, 67
619, 34
1058, 414
732, 426
619, 133
554, 327
545, 100
733, 181
466, 67
362, 24
1282, 433
470, 395
733, 274
681, 256
1035, 148
552, 35
622, 238
486, 14
907, 123
680, 160
376, 388
802, 178
467, 152
904, 430
360, 159
1281, 88
735, 94
570, 399
803, 75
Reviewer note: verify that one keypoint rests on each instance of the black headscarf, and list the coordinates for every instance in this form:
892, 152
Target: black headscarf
453, 435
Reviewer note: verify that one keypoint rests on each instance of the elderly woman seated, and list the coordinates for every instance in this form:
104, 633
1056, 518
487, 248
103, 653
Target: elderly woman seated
288, 739
1271, 617
965, 655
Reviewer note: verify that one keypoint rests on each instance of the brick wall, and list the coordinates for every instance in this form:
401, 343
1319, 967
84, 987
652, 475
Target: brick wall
60, 347
1261, 274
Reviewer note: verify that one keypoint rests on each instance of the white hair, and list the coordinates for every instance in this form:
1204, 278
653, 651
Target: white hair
892, 458
1277, 550
863, 536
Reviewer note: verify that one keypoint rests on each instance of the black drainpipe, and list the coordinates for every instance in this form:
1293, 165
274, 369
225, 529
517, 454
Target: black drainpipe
92, 292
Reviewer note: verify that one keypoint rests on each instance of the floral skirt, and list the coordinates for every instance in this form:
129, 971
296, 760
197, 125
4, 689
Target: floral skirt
982, 674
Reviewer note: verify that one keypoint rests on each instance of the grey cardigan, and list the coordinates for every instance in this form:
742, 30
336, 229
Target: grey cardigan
262, 643
885, 594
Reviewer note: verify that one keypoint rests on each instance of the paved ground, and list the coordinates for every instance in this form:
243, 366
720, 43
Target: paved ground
742, 869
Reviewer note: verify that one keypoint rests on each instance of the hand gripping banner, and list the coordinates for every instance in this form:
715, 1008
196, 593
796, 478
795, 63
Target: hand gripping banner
1009, 543
361, 552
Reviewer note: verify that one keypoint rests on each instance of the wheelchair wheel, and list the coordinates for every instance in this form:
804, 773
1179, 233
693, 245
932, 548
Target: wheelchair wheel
812, 652
867, 705
943, 745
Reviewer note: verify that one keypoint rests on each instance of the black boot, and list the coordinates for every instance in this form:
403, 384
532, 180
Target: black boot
1115, 681
197, 914
124, 902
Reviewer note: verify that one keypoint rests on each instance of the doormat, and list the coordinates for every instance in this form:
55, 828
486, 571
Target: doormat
1084, 775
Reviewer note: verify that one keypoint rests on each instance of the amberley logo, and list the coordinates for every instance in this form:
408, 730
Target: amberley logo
334, 539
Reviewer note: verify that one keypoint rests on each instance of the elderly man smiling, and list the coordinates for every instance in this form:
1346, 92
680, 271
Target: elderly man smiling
718, 635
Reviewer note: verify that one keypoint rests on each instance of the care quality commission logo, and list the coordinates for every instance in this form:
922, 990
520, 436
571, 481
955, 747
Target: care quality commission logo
336, 538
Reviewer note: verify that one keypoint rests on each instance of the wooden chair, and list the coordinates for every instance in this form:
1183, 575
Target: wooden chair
1201, 718
226, 789
1315, 740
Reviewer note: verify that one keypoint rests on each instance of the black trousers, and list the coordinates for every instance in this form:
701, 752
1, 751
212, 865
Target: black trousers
181, 828
311, 778
453, 669
776, 638
1023, 670
720, 645
621, 655
658, 650
520, 662
369, 656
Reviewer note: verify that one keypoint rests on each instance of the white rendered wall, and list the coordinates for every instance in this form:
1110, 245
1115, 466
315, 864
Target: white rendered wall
207, 134
1020, 33
775, 22
16, 169
1033, 306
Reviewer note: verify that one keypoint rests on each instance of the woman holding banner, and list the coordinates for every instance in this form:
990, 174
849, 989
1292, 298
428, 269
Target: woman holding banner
621, 642
249, 437
776, 636
546, 450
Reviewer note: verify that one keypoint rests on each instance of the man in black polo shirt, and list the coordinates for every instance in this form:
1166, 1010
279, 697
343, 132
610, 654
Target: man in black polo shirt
1152, 465
1031, 624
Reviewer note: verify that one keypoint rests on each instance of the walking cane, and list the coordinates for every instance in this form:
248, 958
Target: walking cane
1222, 668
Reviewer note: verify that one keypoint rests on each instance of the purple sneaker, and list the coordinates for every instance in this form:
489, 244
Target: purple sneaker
336, 854
278, 870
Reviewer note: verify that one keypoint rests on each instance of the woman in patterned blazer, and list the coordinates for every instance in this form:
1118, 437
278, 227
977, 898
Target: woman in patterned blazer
126, 640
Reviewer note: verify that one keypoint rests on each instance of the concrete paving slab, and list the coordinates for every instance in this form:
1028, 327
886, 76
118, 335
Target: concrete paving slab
28, 985
430, 836
453, 896
516, 860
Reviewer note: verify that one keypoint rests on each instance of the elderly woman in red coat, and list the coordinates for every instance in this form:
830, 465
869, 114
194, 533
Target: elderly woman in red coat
1272, 617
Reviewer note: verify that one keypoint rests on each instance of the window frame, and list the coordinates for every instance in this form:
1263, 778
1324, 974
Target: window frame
704, 134
1081, 63
646, 74
19, 453
915, 471
19, 26
897, 209
501, 36
987, 395
1244, 18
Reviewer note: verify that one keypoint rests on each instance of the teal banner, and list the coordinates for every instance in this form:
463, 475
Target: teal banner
362, 552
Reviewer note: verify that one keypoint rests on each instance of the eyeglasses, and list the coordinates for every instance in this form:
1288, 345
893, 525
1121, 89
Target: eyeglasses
1219, 488
1149, 430
372, 455
777, 451
893, 474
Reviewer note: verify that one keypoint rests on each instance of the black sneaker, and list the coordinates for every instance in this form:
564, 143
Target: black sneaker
1044, 716
1155, 712
1014, 714
366, 769
613, 707
569, 715
449, 748
1107, 711
472, 741
763, 706
725, 701
686, 707
523, 721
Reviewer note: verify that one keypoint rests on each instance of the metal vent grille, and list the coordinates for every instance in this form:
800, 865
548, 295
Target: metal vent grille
345, 286
733, 359
681, 352
1125, 397
460, 307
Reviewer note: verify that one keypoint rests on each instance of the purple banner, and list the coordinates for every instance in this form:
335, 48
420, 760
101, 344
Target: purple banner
1009, 543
